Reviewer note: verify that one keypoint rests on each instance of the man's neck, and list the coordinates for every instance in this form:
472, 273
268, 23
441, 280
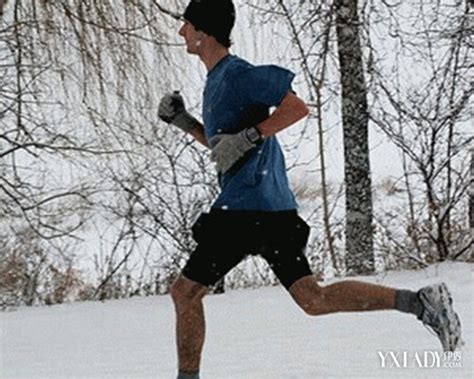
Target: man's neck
212, 56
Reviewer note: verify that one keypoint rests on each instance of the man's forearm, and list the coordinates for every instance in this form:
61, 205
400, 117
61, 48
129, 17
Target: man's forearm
291, 110
198, 134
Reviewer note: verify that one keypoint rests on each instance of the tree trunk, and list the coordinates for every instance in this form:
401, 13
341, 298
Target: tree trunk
471, 195
359, 229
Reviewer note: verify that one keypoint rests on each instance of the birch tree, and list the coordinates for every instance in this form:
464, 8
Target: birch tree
355, 121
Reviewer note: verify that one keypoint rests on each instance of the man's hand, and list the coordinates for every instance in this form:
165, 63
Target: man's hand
227, 149
172, 111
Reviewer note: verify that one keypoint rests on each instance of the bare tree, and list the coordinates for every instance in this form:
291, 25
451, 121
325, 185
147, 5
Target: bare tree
424, 32
85, 162
355, 121
315, 81
471, 191
426, 119
471, 198
80, 84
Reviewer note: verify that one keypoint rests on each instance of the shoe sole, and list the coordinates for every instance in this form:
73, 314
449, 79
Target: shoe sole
453, 327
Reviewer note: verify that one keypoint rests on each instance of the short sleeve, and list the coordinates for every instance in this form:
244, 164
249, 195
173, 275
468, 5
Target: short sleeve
266, 85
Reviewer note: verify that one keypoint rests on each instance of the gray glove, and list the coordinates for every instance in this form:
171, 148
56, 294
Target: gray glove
172, 111
227, 149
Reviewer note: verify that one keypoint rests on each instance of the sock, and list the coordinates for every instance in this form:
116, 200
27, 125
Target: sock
188, 375
408, 302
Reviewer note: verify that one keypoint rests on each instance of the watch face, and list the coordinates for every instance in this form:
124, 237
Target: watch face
253, 135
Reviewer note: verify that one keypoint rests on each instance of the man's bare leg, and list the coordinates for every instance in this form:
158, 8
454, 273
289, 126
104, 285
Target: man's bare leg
190, 325
345, 296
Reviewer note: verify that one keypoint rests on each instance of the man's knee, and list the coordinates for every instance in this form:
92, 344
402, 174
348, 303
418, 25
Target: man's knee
187, 292
309, 295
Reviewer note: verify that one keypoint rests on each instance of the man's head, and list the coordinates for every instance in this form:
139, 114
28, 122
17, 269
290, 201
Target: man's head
213, 17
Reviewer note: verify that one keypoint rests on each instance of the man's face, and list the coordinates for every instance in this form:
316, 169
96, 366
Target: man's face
192, 37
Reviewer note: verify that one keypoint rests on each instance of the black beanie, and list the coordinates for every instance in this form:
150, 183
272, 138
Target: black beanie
214, 17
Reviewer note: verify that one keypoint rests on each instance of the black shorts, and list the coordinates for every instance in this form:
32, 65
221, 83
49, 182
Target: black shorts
225, 238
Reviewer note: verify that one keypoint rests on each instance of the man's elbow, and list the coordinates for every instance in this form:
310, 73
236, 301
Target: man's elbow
302, 108
296, 106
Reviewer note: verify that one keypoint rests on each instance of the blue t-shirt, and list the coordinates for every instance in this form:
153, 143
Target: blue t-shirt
238, 95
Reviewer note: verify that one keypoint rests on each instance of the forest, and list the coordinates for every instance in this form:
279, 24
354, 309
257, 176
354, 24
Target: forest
98, 196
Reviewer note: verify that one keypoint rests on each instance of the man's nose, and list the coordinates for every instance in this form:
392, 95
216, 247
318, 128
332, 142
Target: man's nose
181, 30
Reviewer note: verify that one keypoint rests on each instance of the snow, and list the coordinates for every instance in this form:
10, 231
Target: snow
251, 334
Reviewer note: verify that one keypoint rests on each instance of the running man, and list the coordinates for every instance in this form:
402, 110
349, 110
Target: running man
256, 212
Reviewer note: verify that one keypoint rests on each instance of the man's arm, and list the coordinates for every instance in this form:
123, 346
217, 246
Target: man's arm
291, 110
227, 149
198, 134
173, 111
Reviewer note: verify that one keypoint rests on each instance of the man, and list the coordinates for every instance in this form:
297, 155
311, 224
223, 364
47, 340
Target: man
256, 210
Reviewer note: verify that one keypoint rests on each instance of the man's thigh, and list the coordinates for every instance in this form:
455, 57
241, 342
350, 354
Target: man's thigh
209, 263
284, 250
219, 247
289, 265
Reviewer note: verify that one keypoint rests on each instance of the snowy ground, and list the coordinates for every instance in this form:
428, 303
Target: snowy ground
252, 334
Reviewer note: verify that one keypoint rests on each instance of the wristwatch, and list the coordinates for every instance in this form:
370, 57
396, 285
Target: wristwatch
253, 135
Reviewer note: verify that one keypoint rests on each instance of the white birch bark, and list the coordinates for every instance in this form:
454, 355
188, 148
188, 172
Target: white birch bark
359, 230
